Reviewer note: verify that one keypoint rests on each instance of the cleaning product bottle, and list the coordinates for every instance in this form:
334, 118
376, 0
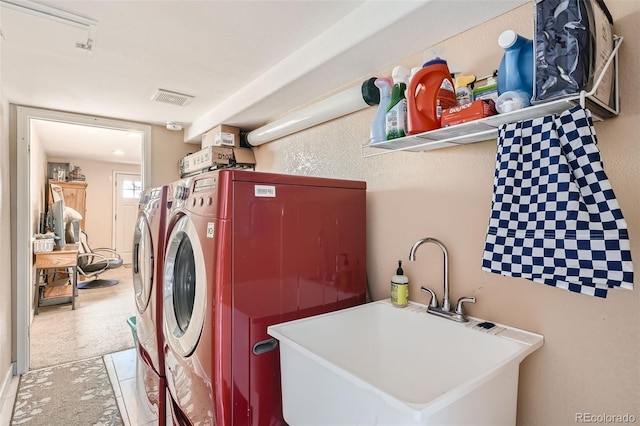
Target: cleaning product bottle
378, 126
399, 288
396, 118
430, 92
516, 67
414, 71
464, 86
489, 90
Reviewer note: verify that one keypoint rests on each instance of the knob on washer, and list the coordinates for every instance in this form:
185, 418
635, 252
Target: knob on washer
181, 193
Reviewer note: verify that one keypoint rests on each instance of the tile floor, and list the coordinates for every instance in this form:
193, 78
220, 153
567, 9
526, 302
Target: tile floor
121, 367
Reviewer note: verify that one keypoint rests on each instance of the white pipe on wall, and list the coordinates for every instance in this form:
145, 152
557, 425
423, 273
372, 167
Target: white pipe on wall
343, 103
50, 13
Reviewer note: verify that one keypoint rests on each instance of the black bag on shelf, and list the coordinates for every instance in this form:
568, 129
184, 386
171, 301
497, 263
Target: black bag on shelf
573, 40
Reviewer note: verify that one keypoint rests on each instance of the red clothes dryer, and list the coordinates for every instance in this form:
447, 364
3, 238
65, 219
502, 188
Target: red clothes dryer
246, 250
148, 254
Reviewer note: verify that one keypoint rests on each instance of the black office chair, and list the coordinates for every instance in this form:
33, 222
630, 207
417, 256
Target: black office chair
92, 262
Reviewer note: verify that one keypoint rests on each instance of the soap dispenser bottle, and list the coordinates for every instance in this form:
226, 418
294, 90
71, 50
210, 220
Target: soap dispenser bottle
399, 288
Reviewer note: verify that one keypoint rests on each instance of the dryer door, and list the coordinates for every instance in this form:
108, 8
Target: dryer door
185, 288
142, 263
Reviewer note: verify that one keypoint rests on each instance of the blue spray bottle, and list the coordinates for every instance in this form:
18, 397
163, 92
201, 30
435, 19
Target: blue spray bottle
378, 126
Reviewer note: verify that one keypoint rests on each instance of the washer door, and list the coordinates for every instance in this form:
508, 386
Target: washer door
185, 288
143, 261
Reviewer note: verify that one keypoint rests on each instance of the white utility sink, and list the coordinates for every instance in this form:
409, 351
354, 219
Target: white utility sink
376, 364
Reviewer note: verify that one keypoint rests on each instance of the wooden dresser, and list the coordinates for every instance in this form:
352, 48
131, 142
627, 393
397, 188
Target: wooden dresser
75, 196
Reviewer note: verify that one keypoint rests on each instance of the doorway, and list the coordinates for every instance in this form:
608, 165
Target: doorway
25, 215
127, 191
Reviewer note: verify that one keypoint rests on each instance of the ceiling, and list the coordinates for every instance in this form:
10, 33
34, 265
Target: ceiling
244, 62
65, 141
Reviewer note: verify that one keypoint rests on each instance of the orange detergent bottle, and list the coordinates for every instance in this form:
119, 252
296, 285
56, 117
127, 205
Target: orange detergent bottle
430, 92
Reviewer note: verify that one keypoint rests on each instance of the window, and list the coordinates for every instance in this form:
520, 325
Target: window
131, 188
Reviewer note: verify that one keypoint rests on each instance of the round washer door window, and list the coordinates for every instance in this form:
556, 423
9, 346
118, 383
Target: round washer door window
142, 263
185, 288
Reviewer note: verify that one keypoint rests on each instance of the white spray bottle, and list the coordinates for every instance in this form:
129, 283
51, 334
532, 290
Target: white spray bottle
378, 126
396, 119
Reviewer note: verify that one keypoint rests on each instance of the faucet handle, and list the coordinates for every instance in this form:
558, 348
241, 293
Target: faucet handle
459, 308
434, 298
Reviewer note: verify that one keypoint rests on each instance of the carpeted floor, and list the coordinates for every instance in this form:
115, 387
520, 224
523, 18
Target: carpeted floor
77, 393
97, 326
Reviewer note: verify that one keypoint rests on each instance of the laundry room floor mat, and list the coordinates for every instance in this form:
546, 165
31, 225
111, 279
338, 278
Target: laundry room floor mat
76, 393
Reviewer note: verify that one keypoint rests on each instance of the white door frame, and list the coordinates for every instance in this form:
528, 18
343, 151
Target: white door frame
23, 250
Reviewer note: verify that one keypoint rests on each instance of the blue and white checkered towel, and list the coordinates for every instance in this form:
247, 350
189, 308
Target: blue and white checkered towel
554, 217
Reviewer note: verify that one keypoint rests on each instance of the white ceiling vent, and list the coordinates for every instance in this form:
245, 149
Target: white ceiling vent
172, 98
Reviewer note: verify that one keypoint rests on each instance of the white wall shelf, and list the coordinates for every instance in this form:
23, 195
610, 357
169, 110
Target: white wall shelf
487, 128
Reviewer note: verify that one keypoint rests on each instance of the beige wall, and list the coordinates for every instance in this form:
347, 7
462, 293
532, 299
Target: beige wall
6, 287
38, 179
591, 358
167, 149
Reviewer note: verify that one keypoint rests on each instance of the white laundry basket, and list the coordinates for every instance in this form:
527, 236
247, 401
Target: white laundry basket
41, 245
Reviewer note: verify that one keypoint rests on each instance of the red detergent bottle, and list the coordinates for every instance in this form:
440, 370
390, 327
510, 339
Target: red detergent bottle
430, 92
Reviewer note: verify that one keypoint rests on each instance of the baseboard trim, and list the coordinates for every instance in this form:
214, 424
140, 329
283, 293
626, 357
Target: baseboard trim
4, 389
8, 394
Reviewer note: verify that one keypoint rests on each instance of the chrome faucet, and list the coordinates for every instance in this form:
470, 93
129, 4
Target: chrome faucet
445, 310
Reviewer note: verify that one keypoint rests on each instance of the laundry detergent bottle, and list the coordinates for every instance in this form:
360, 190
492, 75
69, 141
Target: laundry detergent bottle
378, 126
396, 117
516, 67
430, 92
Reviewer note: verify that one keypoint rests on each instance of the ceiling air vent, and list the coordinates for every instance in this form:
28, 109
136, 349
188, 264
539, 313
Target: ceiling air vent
172, 98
